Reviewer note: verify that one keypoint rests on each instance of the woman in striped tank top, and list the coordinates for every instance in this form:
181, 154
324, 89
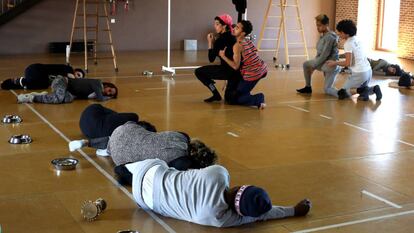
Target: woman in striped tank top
252, 68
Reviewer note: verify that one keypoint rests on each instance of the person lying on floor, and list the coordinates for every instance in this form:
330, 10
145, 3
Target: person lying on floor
134, 142
384, 68
97, 121
40, 76
65, 90
380, 67
202, 196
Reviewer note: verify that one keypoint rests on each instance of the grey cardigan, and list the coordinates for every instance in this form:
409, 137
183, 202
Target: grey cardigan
131, 143
195, 195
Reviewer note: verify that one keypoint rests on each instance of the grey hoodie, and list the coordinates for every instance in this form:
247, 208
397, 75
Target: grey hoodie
326, 49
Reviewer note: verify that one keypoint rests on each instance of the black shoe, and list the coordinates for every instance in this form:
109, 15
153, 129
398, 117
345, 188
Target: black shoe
363, 93
305, 90
342, 94
213, 98
377, 91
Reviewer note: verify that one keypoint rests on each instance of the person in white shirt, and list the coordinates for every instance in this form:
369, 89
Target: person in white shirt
356, 60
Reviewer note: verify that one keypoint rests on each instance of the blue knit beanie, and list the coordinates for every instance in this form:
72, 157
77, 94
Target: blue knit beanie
252, 201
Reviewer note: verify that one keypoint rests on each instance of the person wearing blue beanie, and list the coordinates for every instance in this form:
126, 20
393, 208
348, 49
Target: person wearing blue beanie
202, 196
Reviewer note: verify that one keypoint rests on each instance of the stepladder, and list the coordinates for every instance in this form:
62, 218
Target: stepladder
289, 12
94, 31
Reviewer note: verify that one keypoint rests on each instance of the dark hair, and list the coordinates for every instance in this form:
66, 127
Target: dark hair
81, 71
247, 26
107, 84
398, 70
222, 23
148, 126
323, 19
201, 155
347, 26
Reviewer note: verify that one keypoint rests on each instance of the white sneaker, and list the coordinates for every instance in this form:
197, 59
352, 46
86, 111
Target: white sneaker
102, 152
75, 145
25, 98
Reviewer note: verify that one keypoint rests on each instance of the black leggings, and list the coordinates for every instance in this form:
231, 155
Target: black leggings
207, 75
97, 121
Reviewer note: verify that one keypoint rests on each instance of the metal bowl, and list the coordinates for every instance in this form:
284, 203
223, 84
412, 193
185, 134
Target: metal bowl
128, 231
65, 163
20, 139
147, 72
12, 119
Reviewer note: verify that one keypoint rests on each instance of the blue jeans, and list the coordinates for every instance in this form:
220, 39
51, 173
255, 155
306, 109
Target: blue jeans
243, 96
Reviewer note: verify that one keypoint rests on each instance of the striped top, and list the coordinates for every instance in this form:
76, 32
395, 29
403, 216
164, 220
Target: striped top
253, 67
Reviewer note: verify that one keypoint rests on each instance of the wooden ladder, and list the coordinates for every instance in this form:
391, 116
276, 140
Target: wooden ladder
283, 4
91, 24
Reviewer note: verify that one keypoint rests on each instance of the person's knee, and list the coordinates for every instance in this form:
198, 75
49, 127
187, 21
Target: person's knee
308, 64
199, 73
330, 70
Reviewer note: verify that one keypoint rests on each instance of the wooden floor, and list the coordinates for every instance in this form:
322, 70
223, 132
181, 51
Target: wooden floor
299, 146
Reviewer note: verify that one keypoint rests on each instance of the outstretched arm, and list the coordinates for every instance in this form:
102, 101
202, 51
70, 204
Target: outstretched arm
277, 212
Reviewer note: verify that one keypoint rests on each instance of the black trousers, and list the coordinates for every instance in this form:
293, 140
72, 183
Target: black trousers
35, 78
96, 121
207, 75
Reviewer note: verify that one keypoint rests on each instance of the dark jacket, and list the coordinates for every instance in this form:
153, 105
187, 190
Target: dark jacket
40, 76
225, 40
96, 121
82, 88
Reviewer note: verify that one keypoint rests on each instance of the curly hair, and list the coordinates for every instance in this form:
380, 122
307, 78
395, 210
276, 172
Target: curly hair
247, 26
347, 26
201, 155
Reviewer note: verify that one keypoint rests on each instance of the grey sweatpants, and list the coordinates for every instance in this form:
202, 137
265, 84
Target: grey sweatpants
330, 74
59, 93
358, 80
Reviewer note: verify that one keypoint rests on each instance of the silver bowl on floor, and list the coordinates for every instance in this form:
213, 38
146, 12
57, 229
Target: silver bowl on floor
20, 139
147, 73
65, 163
128, 231
11, 119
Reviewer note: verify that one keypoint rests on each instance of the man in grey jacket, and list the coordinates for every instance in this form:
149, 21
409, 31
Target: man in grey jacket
327, 49
203, 196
